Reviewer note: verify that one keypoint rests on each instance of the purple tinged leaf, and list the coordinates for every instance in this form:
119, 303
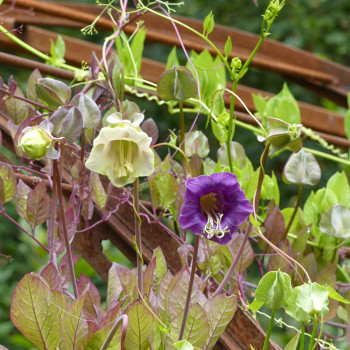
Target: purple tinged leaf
163, 289
7, 183
54, 92
32, 80
161, 267
120, 280
184, 252
276, 261
71, 226
36, 311
99, 195
17, 109
247, 256
74, 326
148, 277
150, 128
112, 315
140, 326
0, 138
22, 197
219, 310
64, 268
72, 125
38, 205
98, 338
51, 276
3, 348
196, 329
196, 165
196, 143
89, 110
274, 224
178, 292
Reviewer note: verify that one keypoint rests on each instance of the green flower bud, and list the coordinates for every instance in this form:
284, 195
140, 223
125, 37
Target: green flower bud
34, 142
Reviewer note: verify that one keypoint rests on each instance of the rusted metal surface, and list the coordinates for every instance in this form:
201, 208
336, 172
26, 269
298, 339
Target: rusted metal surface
319, 119
324, 77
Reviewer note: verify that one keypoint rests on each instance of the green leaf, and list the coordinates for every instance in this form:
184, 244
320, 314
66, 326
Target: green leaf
339, 184
74, 326
313, 298
22, 197
7, 183
295, 311
293, 343
172, 60
183, 345
148, 277
302, 168
161, 267
54, 92
269, 189
208, 24
177, 84
116, 76
36, 312
336, 222
140, 325
196, 328
336, 296
260, 105
58, 50
220, 310
38, 205
273, 289
284, 106
228, 47
98, 338
99, 195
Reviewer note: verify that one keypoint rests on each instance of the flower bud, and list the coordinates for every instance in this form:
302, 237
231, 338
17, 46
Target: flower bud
34, 142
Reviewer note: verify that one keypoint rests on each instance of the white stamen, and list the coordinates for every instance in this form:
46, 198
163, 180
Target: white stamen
211, 230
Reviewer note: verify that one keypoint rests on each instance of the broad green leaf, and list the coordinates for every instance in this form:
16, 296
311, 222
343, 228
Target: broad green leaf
238, 155
17, 109
161, 267
260, 105
7, 183
36, 312
140, 326
172, 60
99, 195
313, 298
89, 110
270, 188
54, 92
74, 326
336, 296
295, 311
196, 328
302, 168
284, 106
183, 345
273, 289
177, 84
339, 184
293, 343
208, 24
228, 47
220, 310
336, 222
38, 205
58, 50
116, 76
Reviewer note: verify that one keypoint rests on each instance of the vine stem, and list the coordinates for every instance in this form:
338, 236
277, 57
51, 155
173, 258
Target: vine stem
295, 210
190, 286
235, 260
313, 335
56, 179
261, 178
182, 138
269, 330
124, 320
302, 337
138, 235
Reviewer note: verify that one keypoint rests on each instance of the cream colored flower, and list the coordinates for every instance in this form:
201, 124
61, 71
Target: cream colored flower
121, 152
